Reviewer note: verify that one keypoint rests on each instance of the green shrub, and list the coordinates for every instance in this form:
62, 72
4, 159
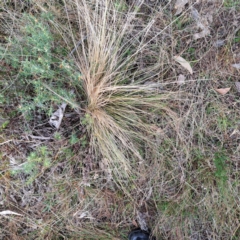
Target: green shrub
37, 162
42, 72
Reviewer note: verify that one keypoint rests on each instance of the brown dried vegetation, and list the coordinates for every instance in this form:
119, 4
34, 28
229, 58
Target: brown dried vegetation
137, 146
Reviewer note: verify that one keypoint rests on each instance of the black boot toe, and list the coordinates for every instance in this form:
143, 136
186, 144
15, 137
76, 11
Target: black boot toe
138, 235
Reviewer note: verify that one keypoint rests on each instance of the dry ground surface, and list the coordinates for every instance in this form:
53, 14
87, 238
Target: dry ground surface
144, 141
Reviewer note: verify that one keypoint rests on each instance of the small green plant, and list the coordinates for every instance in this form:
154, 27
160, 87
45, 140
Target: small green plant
3, 125
57, 136
84, 141
37, 162
86, 120
231, 3
192, 54
49, 203
237, 37
182, 22
222, 123
120, 6
220, 172
73, 139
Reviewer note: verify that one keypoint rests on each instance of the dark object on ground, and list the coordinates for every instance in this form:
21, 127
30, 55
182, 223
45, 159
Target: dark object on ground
138, 234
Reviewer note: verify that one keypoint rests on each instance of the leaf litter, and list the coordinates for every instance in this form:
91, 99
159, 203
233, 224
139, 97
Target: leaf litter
57, 116
184, 63
181, 79
179, 6
202, 23
9, 212
223, 91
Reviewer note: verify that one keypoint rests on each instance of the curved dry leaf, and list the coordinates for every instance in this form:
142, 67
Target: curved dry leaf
180, 5
8, 212
223, 91
201, 34
235, 131
184, 63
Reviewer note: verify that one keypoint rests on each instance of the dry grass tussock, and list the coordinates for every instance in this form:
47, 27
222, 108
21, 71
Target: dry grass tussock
119, 102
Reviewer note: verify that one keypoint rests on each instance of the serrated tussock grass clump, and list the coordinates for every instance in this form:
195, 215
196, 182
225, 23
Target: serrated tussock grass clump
94, 69
119, 102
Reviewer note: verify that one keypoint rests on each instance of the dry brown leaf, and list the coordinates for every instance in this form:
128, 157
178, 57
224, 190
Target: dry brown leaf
180, 5
223, 91
181, 79
184, 63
